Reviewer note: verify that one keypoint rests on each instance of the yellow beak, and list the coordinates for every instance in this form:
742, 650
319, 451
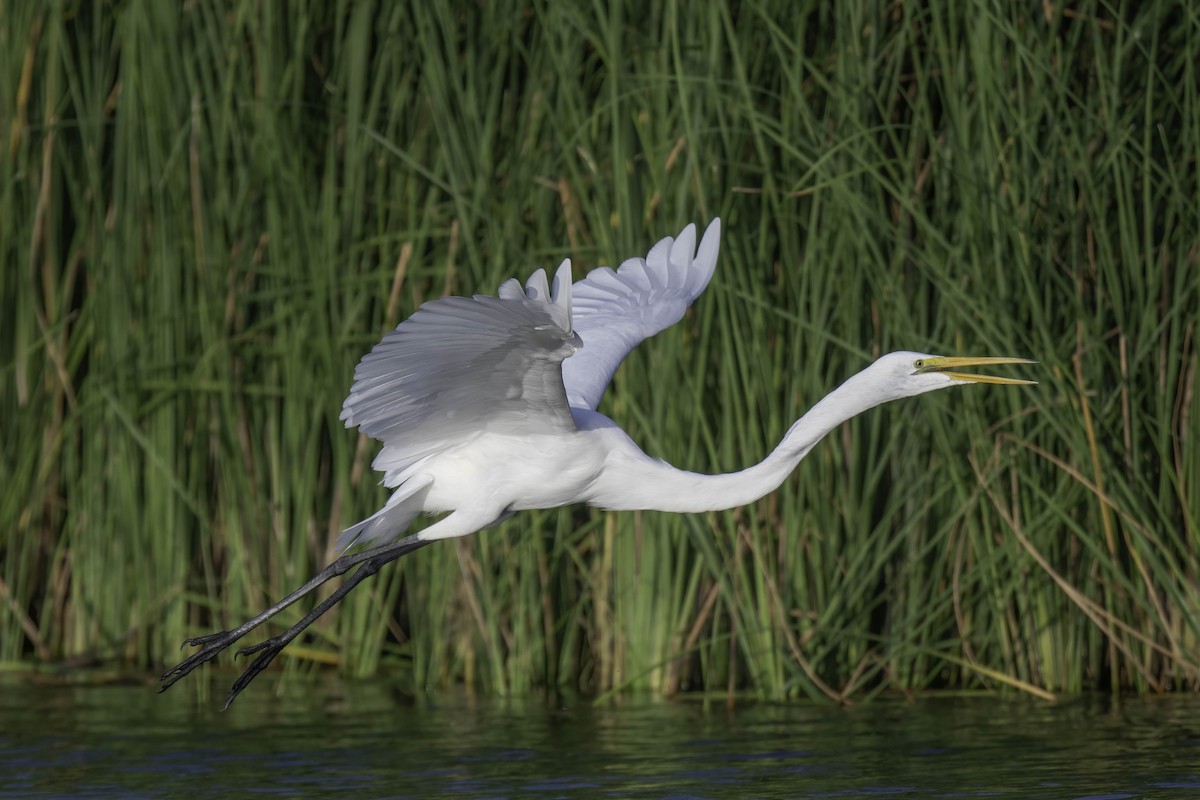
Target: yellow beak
945, 365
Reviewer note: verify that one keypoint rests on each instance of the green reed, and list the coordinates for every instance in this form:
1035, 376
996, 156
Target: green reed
209, 215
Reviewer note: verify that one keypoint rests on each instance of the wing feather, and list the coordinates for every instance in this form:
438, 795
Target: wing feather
614, 311
463, 365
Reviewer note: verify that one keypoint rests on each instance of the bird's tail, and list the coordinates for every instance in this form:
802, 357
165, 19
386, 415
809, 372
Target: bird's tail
393, 519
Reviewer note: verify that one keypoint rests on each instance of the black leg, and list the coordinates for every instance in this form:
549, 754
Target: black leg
214, 643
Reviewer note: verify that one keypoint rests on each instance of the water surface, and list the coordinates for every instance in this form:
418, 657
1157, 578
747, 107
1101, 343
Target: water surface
367, 741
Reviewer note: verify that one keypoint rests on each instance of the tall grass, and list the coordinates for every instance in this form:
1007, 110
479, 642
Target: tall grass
208, 215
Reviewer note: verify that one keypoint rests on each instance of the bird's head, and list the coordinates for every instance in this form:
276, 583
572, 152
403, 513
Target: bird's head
905, 373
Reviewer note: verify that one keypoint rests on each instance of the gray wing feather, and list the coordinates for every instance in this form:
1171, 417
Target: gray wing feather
463, 365
613, 311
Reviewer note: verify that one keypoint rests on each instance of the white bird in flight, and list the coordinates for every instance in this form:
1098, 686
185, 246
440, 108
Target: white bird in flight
487, 406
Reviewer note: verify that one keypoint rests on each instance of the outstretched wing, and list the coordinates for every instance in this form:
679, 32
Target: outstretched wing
614, 311
460, 366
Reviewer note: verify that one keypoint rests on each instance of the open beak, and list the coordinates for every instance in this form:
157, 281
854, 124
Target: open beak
949, 365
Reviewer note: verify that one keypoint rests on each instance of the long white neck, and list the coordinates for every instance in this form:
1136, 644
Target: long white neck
633, 480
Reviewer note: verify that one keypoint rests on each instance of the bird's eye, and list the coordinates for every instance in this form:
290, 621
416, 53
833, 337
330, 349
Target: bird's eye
919, 363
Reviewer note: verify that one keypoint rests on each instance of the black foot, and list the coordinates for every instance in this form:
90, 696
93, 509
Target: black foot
213, 644
267, 651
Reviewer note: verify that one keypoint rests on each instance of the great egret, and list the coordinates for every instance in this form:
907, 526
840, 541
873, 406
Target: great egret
487, 406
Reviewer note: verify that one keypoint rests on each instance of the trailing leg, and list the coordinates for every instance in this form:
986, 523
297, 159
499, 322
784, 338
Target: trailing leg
214, 643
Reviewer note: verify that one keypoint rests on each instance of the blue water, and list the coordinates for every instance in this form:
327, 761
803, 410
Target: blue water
367, 742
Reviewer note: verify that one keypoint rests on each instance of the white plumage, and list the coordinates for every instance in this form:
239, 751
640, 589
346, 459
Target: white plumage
487, 405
